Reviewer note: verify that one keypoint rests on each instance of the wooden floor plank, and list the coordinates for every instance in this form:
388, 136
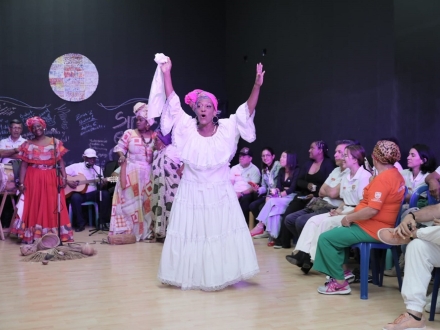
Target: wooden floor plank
118, 288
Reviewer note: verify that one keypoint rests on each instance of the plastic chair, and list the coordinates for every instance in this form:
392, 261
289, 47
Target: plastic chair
416, 195
377, 264
89, 204
434, 293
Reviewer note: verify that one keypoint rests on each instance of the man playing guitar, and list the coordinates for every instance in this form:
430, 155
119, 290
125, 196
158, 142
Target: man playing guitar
82, 181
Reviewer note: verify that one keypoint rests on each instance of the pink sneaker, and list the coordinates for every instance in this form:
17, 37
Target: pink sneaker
332, 287
348, 275
406, 321
258, 229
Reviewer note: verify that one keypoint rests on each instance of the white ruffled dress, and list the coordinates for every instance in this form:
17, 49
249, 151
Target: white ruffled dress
208, 244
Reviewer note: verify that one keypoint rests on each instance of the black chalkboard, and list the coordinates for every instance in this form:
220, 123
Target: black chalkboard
99, 127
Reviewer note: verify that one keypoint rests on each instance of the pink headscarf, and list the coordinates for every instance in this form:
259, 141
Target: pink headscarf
191, 98
35, 120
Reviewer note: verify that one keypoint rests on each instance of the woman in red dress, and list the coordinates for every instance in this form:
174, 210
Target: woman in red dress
38, 183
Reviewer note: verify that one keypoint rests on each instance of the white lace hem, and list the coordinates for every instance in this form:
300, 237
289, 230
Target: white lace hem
242, 277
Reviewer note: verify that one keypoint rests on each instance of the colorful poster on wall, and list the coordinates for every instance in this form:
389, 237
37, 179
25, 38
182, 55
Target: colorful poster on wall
73, 77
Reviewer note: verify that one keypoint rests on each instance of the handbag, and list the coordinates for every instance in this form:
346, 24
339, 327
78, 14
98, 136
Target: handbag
317, 203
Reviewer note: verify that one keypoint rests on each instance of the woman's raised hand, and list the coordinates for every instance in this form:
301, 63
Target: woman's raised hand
166, 67
260, 75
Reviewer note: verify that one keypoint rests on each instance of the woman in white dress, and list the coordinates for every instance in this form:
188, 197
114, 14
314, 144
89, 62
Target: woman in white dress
208, 245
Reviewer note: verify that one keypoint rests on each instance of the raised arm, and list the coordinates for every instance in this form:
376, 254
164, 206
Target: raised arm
253, 98
166, 69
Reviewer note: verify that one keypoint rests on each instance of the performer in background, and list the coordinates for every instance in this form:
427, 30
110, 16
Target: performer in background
38, 183
9, 146
131, 209
8, 153
208, 245
87, 170
166, 177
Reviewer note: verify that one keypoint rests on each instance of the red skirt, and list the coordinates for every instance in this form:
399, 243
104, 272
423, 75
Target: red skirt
40, 212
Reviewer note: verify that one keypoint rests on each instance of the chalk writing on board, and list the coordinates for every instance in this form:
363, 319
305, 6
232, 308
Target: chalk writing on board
6, 110
87, 122
127, 121
26, 115
64, 137
117, 136
11, 101
131, 101
4, 129
100, 146
62, 113
47, 117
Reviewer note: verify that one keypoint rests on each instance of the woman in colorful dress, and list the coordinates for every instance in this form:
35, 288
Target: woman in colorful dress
208, 245
39, 184
131, 209
166, 178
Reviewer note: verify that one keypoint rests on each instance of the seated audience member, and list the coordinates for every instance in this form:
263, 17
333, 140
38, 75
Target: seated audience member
421, 162
396, 164
269, 178
378, 209
328, 193
9, 149
432, 180
279, 197
396, 141
422, 255
311, 177
240, 176
355, 179
89, 172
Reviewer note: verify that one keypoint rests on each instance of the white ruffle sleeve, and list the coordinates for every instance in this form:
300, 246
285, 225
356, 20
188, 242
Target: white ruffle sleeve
243, 123
175, 119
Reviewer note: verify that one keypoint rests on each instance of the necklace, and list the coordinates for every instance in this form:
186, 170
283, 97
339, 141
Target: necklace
213, 131
145, 143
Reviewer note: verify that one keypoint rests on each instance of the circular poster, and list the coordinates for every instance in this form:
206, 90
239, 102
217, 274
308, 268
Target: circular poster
73, 77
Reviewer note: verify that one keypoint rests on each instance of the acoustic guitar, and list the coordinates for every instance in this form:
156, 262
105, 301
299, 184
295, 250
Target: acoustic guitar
83, 183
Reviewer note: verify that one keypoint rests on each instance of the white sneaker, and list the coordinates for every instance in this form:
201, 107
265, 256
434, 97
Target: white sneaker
428, 308
429, 297
428, 304
263, 235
